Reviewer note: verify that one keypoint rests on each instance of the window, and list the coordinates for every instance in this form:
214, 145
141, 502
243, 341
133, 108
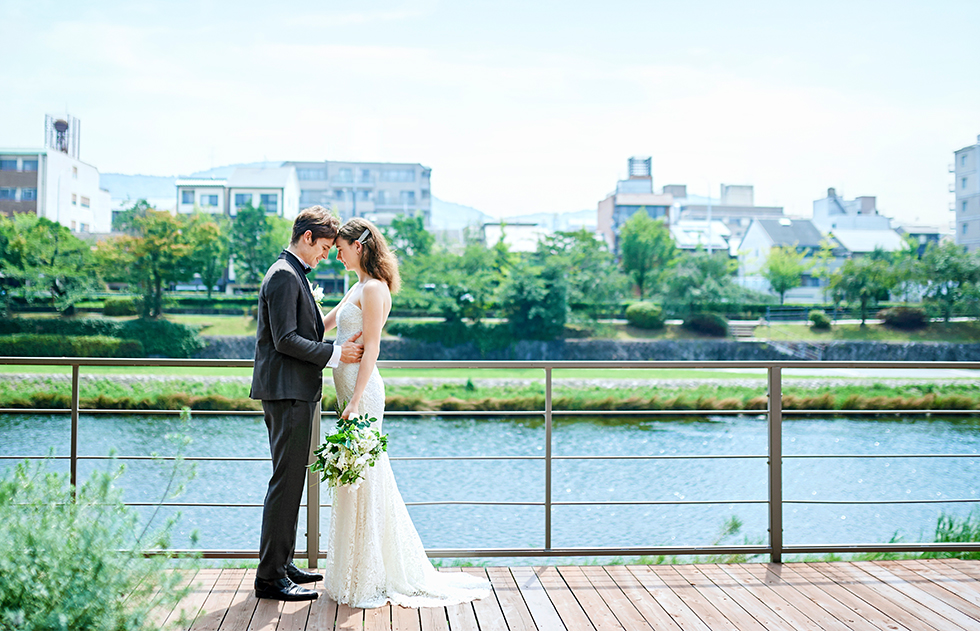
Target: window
407, 197
29, 165
73, 226
963, 182
963, 207
310, 174
85, 227
425, 193
338, 193
344, 175
209, 200
271, 203
187, 197
398, 175
365, 175
8, 165
74, 172
8, 193
74, 199
963, 230
364, 196
28, 194
963, 160
311, 197
86, 202
381, 198
242, 199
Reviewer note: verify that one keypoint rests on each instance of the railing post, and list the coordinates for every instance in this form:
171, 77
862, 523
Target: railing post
547, 458
74, 430
313, 499
775, 389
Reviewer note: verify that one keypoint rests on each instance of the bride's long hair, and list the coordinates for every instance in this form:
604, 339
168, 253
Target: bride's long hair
377, 259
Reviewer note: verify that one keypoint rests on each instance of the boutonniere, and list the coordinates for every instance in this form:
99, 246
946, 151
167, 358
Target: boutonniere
317, 293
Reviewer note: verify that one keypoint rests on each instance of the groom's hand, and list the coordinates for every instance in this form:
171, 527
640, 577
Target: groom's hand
350, 353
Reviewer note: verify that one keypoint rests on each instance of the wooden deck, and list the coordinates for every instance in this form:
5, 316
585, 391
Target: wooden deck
932, 595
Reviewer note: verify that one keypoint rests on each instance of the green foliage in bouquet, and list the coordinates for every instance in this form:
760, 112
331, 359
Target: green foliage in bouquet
344, 456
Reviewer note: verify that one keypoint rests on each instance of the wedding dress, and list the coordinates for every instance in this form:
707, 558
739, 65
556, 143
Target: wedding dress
374, 553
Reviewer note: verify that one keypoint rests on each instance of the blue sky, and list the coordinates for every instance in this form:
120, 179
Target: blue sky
517, 106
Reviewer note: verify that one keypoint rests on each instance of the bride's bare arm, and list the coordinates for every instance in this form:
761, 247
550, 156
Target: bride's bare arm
374, 310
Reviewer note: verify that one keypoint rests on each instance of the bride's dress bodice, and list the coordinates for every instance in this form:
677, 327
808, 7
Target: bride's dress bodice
374, 553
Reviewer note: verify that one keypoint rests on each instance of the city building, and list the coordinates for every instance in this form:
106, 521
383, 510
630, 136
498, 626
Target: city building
276, 190
924, 235
630, 196
966, 186
517, 236
690, 234
377, 191
53, 182
736, 208
833, 213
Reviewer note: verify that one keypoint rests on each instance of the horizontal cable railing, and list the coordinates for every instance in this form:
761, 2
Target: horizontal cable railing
774, 457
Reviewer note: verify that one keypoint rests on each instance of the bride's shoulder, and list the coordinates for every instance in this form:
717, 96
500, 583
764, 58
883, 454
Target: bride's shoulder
376, 287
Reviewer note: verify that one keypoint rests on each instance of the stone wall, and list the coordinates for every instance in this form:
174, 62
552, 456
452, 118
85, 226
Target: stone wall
231, 347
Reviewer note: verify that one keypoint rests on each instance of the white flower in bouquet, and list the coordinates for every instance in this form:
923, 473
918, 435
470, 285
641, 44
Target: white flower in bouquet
344, 457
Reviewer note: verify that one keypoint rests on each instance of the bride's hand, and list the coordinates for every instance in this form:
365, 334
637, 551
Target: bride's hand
350, 411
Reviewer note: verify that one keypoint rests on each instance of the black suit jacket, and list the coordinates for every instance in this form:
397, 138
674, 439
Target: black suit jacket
289, 353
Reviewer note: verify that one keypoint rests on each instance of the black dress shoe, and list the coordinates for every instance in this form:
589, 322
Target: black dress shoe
282, 589
297, 575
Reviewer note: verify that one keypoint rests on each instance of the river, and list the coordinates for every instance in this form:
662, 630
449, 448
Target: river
463, 526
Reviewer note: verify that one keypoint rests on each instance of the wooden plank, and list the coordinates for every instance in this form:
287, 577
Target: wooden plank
724, 602
830, 606
349, 618
461, 616
323, 614
678, 610
434, 619
295, 615
768, 608
266, 616
511, 602
966, 566
542, 611
161, 614
966, 587
903, 609
219, 600
615, 599
708, 614
488, 613
570, 612
404, 619
651, 610
924, 591
378, 619
190, 606
595, 607
242, 606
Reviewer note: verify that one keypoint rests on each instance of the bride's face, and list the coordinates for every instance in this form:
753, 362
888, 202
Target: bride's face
349, 254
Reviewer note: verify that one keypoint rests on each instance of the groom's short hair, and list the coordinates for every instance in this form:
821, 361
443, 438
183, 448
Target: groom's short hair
319, 221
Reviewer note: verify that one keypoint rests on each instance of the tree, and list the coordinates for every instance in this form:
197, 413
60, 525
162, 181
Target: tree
590, 270
948, 274
44, 255
863, 281
208, 240
647, 249
251, 245
409, 238
907, 268
784, 268
698, 278
153, 254
535, 301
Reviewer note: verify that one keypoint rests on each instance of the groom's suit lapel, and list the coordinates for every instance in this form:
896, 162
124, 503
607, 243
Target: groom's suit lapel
294, 262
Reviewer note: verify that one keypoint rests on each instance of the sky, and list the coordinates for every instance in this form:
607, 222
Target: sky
517, 106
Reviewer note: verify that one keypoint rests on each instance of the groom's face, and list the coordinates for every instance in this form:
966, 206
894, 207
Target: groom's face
320, 249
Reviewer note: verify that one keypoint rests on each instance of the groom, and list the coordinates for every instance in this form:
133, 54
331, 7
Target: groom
288, 376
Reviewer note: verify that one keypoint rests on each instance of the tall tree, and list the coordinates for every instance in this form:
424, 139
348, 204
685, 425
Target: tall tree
46, 257
409, 238
784, 268
251, 244
208, 240
948, 273
699, 278
647, 249
590, 270
535, 301
863, 281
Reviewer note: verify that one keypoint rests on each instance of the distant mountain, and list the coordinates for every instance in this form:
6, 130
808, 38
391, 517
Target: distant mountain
450, 216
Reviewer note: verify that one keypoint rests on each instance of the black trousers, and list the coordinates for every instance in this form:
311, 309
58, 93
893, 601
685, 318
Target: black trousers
290, 424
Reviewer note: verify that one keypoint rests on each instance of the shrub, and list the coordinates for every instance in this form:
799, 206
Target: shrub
707, 323
61, 326
820, 320
904, 317
119, 307
33, 345
486, 336
60, 559
645, 315
163, 338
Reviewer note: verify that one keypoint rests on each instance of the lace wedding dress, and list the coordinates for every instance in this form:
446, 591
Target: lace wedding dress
374, 554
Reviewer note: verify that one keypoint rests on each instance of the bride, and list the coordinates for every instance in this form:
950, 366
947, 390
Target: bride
374, 554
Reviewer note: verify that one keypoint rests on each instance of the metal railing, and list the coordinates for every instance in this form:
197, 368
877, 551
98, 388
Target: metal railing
774, 457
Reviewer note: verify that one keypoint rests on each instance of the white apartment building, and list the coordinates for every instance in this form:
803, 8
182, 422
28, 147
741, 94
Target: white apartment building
276, 190
833, 213
53, 183
966, 186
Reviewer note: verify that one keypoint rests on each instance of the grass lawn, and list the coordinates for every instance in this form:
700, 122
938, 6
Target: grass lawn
962, 332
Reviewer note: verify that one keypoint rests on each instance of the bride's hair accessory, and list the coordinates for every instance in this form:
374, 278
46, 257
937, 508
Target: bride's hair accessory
364, 235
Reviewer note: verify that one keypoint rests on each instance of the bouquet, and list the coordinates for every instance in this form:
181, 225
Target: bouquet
344, 456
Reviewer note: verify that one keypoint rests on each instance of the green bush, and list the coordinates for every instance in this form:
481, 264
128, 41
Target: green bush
61, 326
456, 333
904, 317
708, 324
162, 337
60, 559
34, 345
645, 315
119, 307
819, 319
535, 301
158, 337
